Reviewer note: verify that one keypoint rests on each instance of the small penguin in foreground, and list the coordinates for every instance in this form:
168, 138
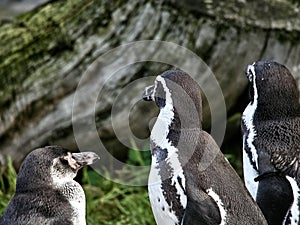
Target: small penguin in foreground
190, 181
271, 142
46, 193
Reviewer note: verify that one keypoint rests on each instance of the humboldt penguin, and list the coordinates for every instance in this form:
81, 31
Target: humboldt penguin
45, 190
190, 181
271, 142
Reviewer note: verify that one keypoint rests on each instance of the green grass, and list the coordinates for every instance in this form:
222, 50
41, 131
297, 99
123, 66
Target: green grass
7, 185
108, 202
111, 203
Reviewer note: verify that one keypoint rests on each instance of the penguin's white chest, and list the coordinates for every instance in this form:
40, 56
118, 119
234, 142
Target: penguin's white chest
76, 197
249, 175
295, 208
74, 193
162, 211
248, 162
77, 202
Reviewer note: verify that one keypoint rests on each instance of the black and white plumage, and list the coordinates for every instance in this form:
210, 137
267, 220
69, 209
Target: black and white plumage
190, 181
271, 142
46, 192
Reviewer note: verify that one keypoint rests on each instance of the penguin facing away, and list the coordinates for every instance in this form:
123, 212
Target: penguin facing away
271, 142
46, 193
190, 181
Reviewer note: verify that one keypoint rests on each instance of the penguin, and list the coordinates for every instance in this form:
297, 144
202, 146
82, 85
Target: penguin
45, 190
271, 142
190, 181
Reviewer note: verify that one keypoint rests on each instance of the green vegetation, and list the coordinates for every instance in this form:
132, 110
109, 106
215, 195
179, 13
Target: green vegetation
7, 185
110, 203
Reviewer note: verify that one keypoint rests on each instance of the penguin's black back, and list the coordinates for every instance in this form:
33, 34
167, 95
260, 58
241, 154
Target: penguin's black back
44, 206
216, 174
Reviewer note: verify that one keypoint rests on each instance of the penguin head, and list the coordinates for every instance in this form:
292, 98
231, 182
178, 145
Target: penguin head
51, 164
274, 88
176, 90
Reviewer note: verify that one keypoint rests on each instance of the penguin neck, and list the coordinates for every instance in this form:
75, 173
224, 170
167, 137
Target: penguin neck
276, 109
162, 126
33, 182
171, 128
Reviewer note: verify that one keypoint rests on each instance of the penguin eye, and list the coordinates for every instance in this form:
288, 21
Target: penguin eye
64, 161
250, 73
160, 102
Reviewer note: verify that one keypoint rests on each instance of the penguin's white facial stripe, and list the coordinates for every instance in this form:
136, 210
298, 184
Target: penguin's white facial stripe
248, 116
160, 130
166, 115
175, 178
295, 206
168, 96
219, 203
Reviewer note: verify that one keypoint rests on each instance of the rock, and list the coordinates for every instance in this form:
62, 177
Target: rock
72, 73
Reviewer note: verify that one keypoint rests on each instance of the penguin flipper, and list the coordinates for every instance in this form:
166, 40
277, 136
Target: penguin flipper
277, 192
286, 155
201, 209
274, 197
288, 163
203, 212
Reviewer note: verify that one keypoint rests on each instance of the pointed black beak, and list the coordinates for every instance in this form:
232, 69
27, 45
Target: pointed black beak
84, 158
148, 93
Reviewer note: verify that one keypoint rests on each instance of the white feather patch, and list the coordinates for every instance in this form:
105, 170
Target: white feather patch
72, 191
247, 117
219, 203
295, 206
159, 137
161, 127
162, 211
249, 174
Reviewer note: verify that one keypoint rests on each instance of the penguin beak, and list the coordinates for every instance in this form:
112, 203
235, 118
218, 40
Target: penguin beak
78, 160
148, 94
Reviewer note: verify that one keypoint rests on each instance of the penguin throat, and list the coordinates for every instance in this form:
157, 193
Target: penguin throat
164, 152
161, 128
